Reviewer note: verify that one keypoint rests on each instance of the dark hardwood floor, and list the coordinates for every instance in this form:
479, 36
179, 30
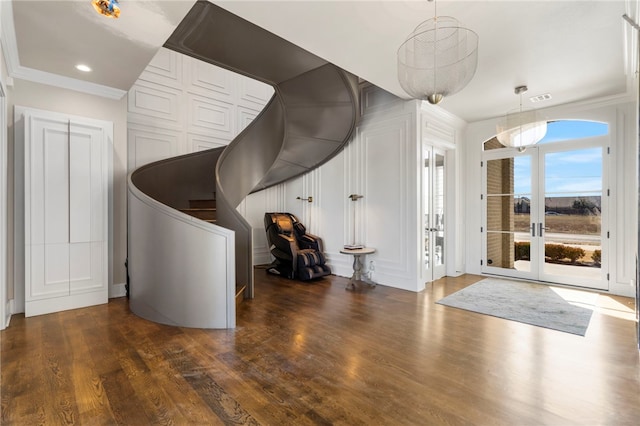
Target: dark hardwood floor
317, 354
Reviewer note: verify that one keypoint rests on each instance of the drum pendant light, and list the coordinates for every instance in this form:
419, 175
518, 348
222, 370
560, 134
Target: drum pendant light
438, 59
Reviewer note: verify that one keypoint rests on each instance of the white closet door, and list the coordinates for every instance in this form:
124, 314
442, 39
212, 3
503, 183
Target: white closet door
87, 202
66, 219
47, 209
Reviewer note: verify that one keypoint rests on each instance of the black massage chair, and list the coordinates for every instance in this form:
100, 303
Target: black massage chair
298, 254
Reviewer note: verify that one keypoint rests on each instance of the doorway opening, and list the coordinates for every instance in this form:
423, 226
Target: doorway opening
546, 209
434, 173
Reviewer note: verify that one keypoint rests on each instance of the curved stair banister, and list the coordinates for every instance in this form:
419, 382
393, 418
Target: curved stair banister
308, 121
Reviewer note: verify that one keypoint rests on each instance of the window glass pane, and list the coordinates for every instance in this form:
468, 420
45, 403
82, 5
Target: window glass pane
576, 172
562, 130
508, 214
509, 176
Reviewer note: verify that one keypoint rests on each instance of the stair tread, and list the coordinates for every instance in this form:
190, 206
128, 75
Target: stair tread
202, 203
206, 214
240, 288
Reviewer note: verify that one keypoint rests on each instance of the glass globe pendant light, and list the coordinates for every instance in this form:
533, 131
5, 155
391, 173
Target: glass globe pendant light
521, 128
437, 59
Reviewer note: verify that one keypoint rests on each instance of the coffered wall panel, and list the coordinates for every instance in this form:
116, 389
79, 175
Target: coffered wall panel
201, 143
389, 180
155, 105
205, 78
197, 104
210, 117
148, 144
244, 117
165, 69
253, 94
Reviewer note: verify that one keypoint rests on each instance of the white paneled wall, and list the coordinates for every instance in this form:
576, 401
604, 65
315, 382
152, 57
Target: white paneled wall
382, 163
181, 105
388, 215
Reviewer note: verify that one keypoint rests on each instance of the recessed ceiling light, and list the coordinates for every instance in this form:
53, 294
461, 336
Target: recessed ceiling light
83, 68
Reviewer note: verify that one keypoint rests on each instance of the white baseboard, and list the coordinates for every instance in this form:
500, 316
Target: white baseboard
621, 289
117, 290
8, 310
12, 307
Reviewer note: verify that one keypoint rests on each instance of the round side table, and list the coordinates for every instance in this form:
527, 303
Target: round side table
358, 278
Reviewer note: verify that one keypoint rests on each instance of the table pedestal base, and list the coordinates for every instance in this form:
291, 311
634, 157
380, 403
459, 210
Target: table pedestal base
358, 279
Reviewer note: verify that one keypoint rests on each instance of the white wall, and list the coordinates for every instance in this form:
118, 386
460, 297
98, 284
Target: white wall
5, 309
619, 113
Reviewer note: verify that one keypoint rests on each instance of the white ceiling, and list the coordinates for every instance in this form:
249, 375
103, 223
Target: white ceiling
53, 36
574, 50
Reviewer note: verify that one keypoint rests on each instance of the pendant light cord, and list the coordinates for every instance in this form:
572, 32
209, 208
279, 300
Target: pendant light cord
435, 43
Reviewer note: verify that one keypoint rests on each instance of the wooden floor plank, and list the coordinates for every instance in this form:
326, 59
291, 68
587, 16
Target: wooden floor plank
90, 395
60, 403
315, 354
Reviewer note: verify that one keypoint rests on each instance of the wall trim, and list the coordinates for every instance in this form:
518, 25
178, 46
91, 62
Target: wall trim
42, 77
10, 311
117, 290
5, 313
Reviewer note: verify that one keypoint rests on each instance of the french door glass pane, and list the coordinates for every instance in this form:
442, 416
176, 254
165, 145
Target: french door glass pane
427, 207
438, 201
572, 219
509, 213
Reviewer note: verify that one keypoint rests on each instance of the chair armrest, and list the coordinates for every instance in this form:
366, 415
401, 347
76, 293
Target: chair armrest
285, 244
311, 241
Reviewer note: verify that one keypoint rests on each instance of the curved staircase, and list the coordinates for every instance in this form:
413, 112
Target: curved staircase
308, 121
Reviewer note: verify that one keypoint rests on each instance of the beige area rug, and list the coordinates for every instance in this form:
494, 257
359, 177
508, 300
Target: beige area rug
557, 308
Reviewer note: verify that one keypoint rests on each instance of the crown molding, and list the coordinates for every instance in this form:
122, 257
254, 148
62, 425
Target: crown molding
37, 76
8, 34
15, 70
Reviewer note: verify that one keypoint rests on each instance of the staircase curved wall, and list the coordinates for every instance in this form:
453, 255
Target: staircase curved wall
181, 269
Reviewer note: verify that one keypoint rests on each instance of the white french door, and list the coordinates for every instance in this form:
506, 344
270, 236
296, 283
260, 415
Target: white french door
546, 213
433, 206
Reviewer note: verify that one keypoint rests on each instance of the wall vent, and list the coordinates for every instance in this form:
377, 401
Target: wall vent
540, 98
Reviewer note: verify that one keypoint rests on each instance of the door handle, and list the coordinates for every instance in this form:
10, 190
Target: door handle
541, 228
533, 229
